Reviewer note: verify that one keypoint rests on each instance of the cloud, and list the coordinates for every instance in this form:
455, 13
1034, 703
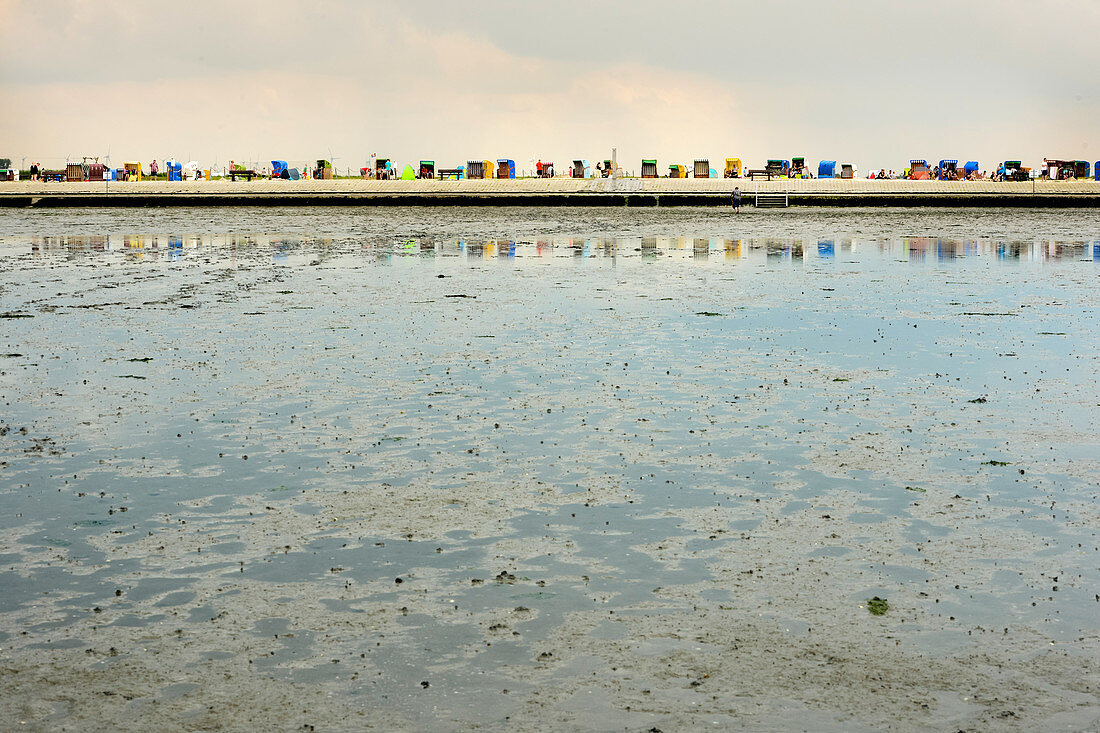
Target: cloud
873, 82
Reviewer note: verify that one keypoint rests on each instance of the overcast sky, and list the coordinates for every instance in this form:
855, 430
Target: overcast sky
868, 81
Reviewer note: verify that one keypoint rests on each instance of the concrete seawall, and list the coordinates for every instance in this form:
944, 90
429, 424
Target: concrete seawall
552, 192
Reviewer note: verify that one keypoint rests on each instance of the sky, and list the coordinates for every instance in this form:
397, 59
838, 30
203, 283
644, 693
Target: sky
874, 82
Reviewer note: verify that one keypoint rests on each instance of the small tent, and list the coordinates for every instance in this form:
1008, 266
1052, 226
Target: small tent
408, 174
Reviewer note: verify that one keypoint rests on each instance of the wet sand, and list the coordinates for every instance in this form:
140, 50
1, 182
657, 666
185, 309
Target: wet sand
630, 473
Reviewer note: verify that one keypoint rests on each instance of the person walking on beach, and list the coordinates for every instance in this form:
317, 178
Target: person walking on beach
735, 199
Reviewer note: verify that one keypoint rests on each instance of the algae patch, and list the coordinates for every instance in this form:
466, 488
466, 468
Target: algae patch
877, 606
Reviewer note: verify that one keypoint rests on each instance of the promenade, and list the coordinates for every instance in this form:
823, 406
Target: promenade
550, 192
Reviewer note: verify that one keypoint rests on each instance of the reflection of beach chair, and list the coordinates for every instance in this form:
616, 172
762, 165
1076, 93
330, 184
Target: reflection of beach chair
733, 168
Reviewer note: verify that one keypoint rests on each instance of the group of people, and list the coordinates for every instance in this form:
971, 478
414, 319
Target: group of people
544, 170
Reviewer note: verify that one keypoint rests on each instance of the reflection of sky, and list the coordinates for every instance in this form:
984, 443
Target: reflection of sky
742, 381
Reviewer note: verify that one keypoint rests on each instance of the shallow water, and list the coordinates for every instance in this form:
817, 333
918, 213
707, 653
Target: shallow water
581, 440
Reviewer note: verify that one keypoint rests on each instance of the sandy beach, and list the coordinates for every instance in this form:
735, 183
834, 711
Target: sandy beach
555, 191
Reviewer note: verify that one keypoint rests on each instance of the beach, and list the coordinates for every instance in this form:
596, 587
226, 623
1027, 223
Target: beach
559, 191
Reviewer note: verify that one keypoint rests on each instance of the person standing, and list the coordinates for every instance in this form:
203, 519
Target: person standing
735, 199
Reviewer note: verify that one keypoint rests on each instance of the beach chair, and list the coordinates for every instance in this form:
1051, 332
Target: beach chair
649, 168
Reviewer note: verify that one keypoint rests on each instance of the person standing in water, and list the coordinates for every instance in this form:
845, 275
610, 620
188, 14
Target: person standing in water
735, 199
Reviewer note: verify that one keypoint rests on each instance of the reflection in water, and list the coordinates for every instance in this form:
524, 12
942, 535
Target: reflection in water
767, 249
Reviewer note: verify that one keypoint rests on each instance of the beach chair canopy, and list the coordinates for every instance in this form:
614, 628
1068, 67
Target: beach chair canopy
826, 169
971, 166
430, 163
948, 163
277, 167
381, 164
1014, 163
324, 164
1096, 171
798, 162
918, 164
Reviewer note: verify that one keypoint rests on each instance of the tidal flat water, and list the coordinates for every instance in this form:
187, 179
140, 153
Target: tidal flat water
442, 469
